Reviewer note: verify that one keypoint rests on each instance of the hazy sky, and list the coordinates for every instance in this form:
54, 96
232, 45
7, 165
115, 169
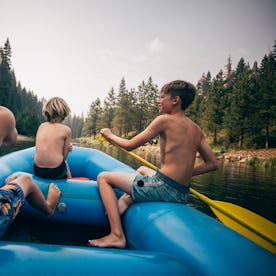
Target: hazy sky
80, 49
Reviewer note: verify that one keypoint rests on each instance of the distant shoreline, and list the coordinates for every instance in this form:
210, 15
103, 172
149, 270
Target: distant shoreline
237, 155
25, 138
231, 156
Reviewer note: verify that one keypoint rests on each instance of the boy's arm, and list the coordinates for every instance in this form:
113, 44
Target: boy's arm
9, 130
210, 160
153, 130
11, 139
67, 144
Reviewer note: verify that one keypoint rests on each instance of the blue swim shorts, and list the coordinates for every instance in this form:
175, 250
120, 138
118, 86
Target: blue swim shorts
11, 201
158, 187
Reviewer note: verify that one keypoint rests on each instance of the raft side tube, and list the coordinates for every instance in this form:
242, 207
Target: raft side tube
85, 162
45, 259
205, 245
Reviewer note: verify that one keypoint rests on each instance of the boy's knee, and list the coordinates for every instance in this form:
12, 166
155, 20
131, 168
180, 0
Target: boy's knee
141, 169
102, 176
24, 177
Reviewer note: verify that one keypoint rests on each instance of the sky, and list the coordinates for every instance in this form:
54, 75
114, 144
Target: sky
80, 49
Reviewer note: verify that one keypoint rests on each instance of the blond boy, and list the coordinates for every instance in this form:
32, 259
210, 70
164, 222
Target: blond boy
53, 141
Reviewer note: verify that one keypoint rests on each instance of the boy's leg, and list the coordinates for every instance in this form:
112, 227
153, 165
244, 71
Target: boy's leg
106, 182
143, 170
35, 197
124, 202
126, 199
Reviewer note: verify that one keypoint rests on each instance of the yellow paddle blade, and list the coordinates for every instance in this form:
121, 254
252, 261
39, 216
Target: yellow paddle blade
251, 225
247, 223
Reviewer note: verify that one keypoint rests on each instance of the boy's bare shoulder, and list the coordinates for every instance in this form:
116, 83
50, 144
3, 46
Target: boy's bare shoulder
66, 128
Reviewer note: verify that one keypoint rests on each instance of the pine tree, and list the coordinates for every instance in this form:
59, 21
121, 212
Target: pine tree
121, 120
108, 109
267, 102
213, 114
238, 117
141, 103
152, 95
90, 127
6, 78
228, 73
274, 50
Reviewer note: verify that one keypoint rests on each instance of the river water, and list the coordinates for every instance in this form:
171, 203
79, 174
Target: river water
248, 187
240, 184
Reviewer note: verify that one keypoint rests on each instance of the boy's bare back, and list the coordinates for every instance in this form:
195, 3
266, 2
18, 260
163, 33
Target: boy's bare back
52, 143
8, 131
180, 140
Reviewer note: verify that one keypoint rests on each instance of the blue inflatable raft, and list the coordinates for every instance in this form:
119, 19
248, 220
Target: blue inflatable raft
163, 238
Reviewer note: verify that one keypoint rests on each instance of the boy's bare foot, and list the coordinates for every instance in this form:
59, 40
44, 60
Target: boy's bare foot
53, 198
10, 178
110, 240
123, 202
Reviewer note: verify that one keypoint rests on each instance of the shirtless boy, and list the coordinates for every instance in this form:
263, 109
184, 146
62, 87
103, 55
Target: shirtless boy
180, 140
8, 132
53, 142
14, 192
16, 189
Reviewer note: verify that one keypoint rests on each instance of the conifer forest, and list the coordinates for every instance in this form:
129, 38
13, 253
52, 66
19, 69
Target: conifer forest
236, 107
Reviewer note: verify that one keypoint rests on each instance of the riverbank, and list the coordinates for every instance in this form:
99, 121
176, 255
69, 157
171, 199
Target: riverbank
237, 155
253, 157
232, 155
246, 155
249, 156
266, 157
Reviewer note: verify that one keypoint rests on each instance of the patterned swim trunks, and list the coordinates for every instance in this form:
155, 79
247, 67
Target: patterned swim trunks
11, 201
158, 187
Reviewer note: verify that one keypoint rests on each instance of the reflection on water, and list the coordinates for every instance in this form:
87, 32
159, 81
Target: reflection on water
254, 189
248, 187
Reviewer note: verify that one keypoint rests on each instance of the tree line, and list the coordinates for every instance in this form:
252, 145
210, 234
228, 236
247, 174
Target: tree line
25, 104
235, 108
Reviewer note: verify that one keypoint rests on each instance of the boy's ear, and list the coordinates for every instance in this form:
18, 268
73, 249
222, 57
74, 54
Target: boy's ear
176, 99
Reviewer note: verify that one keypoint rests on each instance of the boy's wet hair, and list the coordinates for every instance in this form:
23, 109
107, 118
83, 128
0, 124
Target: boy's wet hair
55, 110
185, 90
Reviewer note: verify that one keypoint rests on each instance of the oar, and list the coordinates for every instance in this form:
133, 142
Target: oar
243, 221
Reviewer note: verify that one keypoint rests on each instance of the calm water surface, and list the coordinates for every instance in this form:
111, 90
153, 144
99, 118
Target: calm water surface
240, 184
248, 187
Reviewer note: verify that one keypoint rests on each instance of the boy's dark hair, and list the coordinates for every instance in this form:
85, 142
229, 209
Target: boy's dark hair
185, 90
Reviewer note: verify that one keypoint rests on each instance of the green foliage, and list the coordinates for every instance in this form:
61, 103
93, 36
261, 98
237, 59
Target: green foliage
235, 109
76, 125
24, 104
127, 111
266, 163
27, 122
